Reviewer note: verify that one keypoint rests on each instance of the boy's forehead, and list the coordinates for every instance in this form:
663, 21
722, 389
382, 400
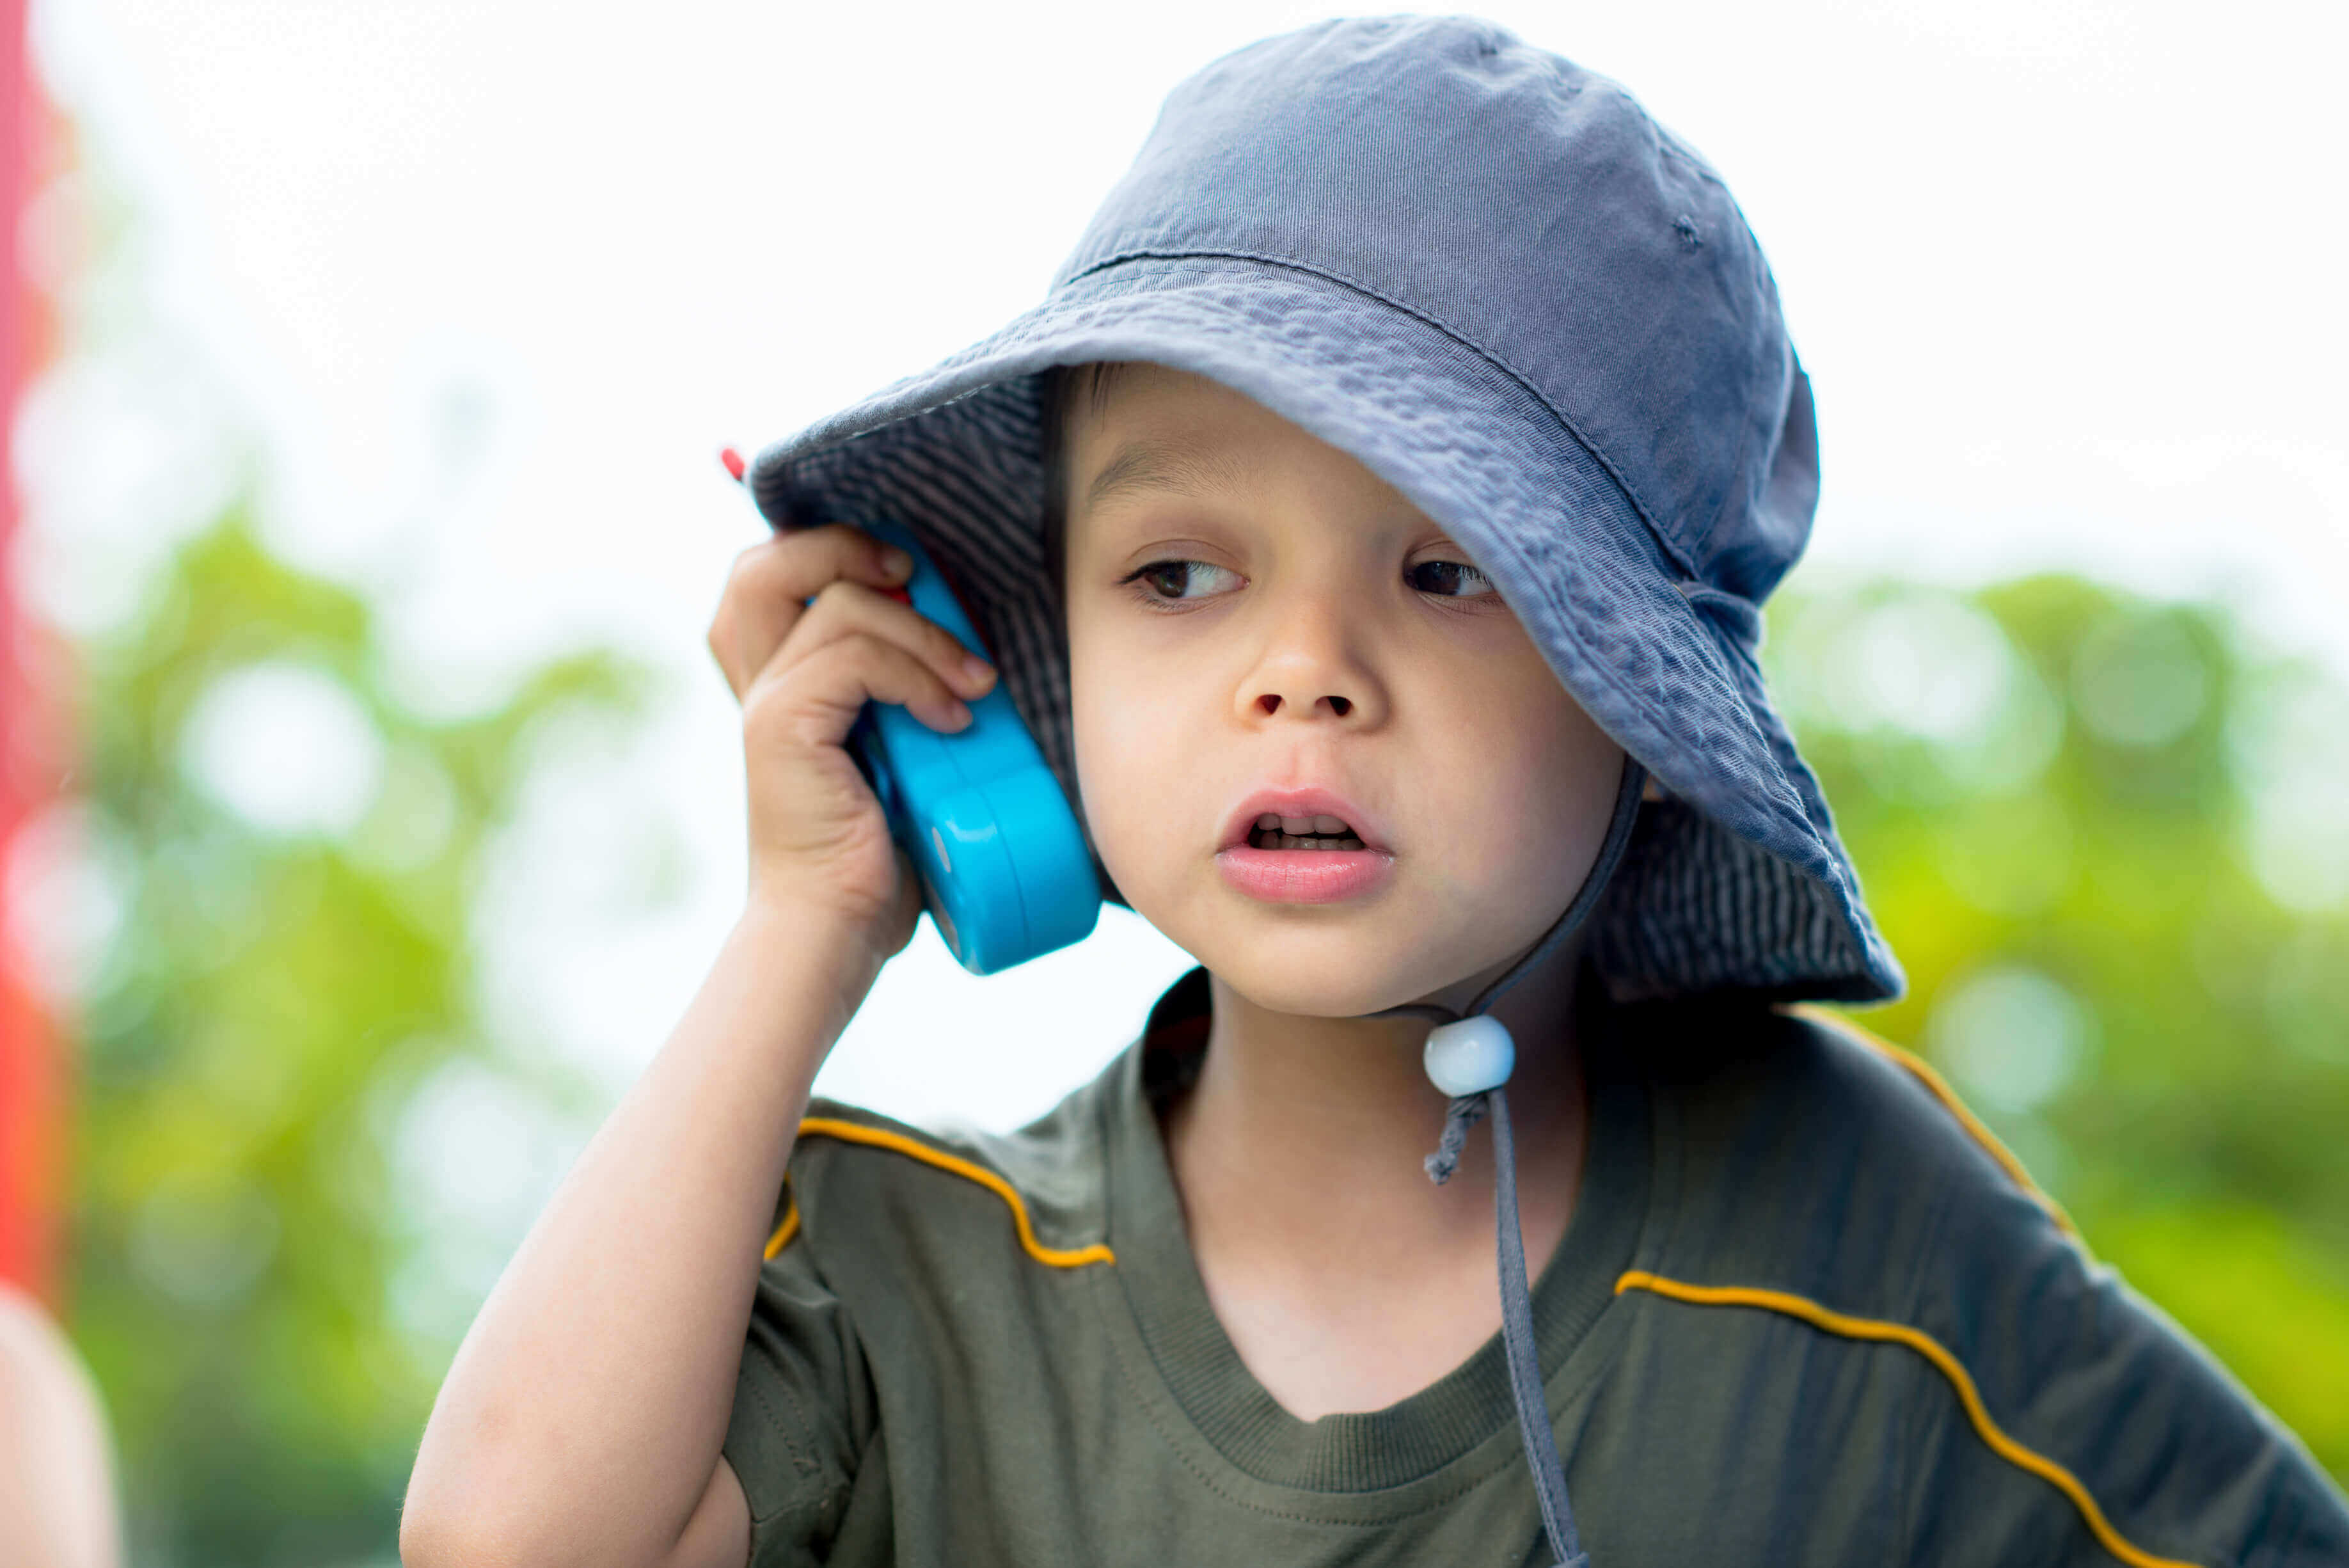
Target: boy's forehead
1153, 430
1175, 465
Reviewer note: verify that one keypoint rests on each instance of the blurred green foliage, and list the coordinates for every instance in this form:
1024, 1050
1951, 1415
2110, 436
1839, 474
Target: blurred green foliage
2107, 839
274, 996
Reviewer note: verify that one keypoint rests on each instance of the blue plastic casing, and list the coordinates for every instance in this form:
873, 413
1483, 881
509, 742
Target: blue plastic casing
1004, 868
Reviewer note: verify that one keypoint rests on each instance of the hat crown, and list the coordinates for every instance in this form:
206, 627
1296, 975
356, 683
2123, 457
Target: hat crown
1533, 210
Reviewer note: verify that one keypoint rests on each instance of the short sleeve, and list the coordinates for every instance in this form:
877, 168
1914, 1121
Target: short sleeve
2163, 1458
803, 1413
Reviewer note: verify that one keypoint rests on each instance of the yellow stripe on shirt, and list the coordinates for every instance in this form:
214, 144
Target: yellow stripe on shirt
914, 1148
1948, 1367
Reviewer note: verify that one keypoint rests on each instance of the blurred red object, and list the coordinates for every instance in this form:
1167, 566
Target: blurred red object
32, 1066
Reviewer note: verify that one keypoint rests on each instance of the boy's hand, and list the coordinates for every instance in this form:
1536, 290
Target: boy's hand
807, 635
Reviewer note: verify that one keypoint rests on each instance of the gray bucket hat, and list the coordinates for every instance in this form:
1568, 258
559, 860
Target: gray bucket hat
1492, 278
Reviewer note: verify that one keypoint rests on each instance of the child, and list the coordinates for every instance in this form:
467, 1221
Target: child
1380, 499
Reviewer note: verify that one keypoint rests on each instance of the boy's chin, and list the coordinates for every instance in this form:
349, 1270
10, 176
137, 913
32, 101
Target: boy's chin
1323, 987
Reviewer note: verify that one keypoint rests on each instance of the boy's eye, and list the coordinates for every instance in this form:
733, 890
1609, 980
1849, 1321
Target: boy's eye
1452, 579
1185, 579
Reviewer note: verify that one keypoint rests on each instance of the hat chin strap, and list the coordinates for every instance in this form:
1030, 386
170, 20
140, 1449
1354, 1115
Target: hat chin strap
1469, 1056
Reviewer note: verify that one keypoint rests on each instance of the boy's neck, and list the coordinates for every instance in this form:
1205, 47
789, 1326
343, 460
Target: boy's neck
1341, 1272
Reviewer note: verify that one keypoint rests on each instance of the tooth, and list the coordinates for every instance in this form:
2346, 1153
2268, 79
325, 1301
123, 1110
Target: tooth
1296, 824
1267, 820
1290, 841
1328, 824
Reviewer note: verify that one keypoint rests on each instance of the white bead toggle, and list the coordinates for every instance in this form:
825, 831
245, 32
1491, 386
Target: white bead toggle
1469, 1056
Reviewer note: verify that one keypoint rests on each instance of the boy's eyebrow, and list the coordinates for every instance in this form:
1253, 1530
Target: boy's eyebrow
1182, 467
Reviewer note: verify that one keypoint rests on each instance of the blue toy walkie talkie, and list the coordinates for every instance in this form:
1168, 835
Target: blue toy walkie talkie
1005, 873
1004, 867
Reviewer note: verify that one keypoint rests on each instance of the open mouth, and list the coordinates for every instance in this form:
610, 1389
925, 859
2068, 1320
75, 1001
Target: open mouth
1312, 822
1272, 831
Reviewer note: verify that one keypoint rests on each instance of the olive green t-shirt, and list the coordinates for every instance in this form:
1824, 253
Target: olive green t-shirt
1802, 1315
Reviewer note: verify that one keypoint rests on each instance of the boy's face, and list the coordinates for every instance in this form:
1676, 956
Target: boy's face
1255, 619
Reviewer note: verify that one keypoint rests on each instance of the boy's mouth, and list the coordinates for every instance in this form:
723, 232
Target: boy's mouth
1306, 817
1304, 846
1321, 830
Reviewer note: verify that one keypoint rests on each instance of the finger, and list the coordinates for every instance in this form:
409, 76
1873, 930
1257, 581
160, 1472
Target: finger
770, 582
848, 609
815, 700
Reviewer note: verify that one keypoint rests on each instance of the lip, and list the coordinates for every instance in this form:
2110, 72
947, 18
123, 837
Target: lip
1303, 876
1302, 802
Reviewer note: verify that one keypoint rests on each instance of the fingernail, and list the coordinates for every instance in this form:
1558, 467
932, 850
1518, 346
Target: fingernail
958, 715
896, 562
977, 671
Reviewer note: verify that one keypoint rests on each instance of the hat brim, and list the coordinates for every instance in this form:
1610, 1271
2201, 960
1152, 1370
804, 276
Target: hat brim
1666, 667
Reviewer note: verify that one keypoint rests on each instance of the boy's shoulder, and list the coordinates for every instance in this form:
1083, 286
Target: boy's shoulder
1797, 1147
1040, 1189
1812, 1175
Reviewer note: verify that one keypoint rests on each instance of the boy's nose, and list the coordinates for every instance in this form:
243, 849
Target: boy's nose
1307, 669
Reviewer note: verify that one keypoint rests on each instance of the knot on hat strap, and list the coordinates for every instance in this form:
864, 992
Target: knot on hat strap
1465, 1112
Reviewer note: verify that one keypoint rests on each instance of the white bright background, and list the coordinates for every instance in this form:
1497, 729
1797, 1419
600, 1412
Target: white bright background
487, 283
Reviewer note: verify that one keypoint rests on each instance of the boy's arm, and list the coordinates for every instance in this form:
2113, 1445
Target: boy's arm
582, 1422
582, 1419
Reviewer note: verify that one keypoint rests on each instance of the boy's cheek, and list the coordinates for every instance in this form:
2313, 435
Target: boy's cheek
1137, 748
